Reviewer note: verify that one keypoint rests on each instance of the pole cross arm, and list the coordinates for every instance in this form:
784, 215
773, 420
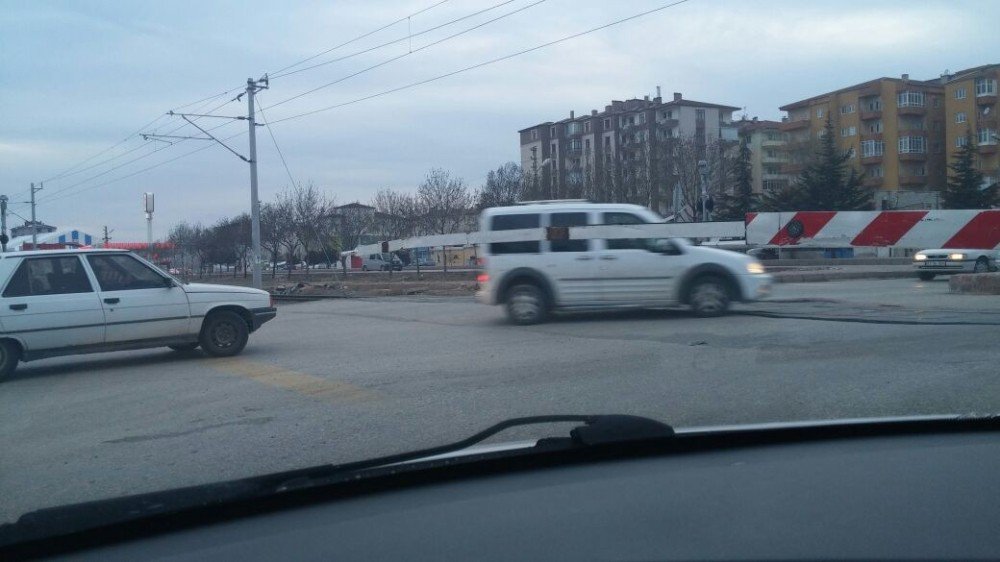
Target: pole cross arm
195, 125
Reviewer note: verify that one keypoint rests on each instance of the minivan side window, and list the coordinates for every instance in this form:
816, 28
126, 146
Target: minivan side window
569, 219
121, 272
515, 222
625, 243
48, 276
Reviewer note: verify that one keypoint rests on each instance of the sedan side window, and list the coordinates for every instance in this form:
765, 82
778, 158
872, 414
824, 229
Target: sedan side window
48, 276
123, 273
625, 243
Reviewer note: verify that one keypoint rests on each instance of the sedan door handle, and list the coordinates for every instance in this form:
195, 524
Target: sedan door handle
609, 257
112, 300
18, 306
584, 258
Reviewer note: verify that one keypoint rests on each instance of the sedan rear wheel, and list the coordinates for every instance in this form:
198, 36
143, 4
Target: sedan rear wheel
982, 265
225, 333
10, 354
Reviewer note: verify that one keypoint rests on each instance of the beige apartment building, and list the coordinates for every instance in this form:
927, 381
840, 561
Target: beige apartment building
971, 106
768, 155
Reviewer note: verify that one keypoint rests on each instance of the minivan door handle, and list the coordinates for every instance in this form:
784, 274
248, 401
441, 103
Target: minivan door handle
21, 306
112, 300
609, 257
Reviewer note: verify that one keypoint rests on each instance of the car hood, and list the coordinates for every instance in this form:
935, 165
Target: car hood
210, 288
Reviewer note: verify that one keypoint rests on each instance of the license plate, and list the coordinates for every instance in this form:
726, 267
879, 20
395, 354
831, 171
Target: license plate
935, 264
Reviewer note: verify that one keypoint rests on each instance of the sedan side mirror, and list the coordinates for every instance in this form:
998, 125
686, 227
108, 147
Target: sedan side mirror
168, 282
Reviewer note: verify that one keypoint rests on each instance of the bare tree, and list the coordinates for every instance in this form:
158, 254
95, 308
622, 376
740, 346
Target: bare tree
398, 213
504, 186
312, 217
353, 222
444, 201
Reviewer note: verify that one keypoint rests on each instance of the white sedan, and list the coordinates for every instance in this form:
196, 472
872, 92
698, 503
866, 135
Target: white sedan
68, 302
951, 260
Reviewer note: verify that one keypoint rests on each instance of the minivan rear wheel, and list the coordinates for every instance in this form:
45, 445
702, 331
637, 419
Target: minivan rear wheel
526, 304
10, 354
709, 296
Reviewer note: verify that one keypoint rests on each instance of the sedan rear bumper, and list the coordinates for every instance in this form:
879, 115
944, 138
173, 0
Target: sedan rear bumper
261, 315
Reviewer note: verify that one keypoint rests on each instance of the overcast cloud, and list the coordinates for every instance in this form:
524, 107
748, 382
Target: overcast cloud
77, 77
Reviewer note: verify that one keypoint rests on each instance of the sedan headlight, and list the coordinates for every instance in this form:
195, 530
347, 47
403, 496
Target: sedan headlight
755, 267
920, 257
956, 257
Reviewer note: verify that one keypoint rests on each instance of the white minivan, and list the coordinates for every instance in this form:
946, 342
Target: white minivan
67, 302
534, 277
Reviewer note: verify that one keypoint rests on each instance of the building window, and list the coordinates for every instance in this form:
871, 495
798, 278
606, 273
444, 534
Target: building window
819, 113
586, 127
872, 148
875, 126
552, 131
607, 141
915, 145
586, 146
910, 99
876, 172
774, 185
552, 149
607, 124
961, 117
986, 87
699, 114
960, 142
937, 101
871, 104
845, 109
987, 136
937, 147
848, 131
770, 153
960, 93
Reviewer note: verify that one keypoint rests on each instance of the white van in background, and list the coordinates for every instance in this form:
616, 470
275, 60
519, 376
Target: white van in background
381, 262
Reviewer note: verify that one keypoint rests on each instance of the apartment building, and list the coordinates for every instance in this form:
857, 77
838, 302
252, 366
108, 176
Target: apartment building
768, 156
573, 151
893, 128
971, 106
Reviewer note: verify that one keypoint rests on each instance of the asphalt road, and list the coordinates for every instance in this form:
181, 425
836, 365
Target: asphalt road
333, 381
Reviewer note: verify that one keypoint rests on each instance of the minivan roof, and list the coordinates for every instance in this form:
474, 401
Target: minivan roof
562, 207
31, 253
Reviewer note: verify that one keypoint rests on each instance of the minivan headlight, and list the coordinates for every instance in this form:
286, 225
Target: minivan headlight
755, 267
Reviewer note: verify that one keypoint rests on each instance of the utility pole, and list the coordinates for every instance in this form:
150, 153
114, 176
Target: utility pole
34, 223
107, 236
147, 203
703, 172
253, 88
3, 222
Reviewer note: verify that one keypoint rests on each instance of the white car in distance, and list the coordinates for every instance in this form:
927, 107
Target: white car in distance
946, 261
68, 302
533, 277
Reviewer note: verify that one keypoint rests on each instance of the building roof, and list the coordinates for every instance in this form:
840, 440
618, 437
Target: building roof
355, 205
809, 101
630, 105
969, 72
756, 124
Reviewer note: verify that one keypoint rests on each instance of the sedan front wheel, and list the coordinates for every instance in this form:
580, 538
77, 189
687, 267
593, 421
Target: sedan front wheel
224, 334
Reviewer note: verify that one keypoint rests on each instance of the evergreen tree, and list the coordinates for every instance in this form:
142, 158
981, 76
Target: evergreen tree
742, 200
965, 182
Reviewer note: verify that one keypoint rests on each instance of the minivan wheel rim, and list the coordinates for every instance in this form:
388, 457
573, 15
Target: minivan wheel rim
709, 297
224, 335
980, 266
524, 306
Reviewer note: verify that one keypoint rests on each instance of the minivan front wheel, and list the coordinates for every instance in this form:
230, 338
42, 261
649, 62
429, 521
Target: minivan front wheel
526, 304
709, 296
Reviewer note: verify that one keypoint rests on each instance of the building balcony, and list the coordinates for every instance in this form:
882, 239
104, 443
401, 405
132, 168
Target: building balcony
912, 110
574, 152
912, 180
912, 156
792, 169
872, 159
986, 99
869, 115
794, 125
873, 182
772, 143
987, 149
870, 91
905, 132
667, 122
871, 136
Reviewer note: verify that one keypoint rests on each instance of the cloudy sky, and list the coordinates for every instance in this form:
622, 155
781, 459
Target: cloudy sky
78, 79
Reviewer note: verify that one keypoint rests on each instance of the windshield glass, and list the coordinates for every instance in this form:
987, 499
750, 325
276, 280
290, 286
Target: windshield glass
394, 224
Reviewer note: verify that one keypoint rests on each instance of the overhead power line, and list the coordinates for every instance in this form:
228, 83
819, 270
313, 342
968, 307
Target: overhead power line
397, 57
481, 64
279, 72
407, 37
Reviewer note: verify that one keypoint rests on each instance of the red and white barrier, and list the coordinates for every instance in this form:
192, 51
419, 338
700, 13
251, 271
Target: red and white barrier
903, 229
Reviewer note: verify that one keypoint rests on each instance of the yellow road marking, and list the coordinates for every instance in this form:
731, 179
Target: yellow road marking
302, 383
